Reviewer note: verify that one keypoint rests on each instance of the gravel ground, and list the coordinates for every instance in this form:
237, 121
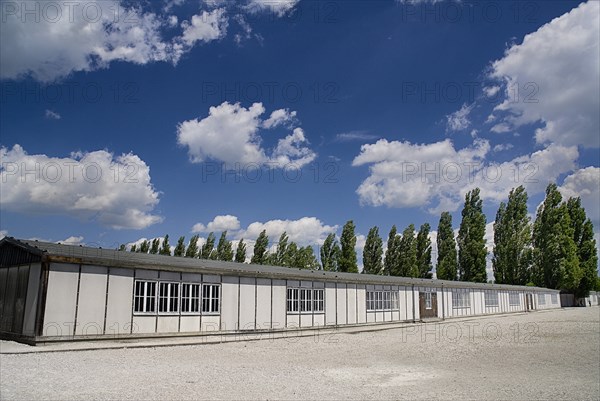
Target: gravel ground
544, 355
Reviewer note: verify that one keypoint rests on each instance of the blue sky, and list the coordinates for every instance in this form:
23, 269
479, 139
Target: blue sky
123, 121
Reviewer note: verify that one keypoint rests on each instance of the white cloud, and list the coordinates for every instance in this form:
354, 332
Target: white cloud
230, 133
73, 241
501, 128
280, 117
355, 136
556, 71
403, 174
491, 91
219, 224
585, 183
278, 7
437, 175
502, 146
52, 115
71, 37
114, 191
459, 120
304, 231
205, 27
3, 233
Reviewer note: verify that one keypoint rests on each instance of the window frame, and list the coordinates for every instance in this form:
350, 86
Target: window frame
514, 298
382, 300
491, 295
190, 299
554, 298
541, 298
145, 297
172, 302
305, 301
428, 300
461, 298
213, 300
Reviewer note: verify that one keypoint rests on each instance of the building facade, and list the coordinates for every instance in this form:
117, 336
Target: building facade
53, 292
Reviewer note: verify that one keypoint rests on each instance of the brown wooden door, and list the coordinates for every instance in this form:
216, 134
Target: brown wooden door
427, 304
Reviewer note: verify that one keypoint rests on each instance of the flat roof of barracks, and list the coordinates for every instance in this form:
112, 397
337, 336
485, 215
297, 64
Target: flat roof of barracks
19, 251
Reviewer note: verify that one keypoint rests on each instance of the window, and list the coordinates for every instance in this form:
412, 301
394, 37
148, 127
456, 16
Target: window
491, 298
428, 304
190, 298
460, 299
210, 298
305, 300
318, 300
382, 300
554, 298
514, 299
168, 297
541, 299
145, 297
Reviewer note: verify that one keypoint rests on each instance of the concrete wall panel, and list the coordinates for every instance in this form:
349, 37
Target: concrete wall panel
92, 299
263, 304
61, 297
247, 303
120, 301
279, 304
229, 306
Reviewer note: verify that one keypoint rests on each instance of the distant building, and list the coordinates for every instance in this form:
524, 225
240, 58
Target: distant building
53, 292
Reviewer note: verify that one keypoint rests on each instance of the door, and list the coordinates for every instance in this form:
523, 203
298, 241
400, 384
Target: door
427, 304
529, 302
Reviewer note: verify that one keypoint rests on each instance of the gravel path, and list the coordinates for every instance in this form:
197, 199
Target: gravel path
544, 355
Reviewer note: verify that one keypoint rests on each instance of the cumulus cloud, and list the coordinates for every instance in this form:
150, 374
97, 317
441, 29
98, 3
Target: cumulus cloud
230, 133
459, 120
219, 224
304, 231
73, 241
355, 136
278, 7
50, 41
585, 183
115, 191
556, 71
437, 175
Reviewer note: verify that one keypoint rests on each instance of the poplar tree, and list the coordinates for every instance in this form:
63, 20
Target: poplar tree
133, 248
424, 265
583, 236
471, 240
555, 259
144, 247
329, 253
391, 254
166, 248
373, 252
122, 247
224, 249
260, 248
155, 246
278, 258
447, 265
407, 254
347, 255
512, 240
180, 248
192, 249
207, 247
240, 253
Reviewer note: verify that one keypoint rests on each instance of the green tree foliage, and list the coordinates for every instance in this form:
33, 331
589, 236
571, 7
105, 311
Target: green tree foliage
424, 265
144, 247
192, 249
133, 248
279, 257
373, 252
155, 246
471, 240
447, 265
512, 241
347, 255
300, 257
180, 247
122, 247
207, 247
555, 259
260, 249
329, 253
240, 253
583, 236
224, 248
390, 263
166, 247
407, 254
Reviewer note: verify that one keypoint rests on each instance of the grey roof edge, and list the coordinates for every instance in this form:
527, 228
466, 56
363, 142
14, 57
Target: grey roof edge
125, 259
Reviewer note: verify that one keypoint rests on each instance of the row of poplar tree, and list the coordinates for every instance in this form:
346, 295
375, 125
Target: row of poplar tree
556, 251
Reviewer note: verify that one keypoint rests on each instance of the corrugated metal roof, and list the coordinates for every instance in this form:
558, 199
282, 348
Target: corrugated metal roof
108, 257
